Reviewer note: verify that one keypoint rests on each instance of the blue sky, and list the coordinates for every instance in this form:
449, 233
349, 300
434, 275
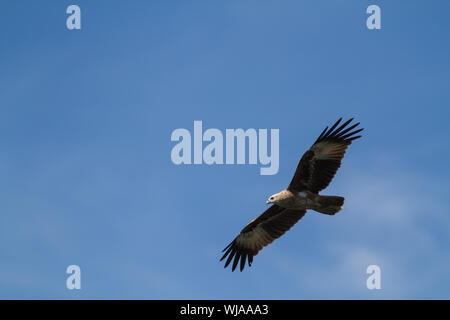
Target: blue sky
86, 176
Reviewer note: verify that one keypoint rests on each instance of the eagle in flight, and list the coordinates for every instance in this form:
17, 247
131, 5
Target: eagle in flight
314, 173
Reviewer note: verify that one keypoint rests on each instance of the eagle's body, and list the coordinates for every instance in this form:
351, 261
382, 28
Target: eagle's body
315, 171
303, 200
296, 200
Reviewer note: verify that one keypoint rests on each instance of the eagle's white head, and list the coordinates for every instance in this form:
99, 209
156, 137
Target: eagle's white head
271, 199
278, 197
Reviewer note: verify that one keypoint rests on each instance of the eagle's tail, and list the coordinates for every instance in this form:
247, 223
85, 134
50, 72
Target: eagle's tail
328, 204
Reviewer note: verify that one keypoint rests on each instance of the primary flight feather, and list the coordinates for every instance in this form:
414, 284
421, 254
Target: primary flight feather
314, 173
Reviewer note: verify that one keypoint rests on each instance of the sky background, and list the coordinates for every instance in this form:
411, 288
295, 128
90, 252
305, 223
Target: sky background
86, 176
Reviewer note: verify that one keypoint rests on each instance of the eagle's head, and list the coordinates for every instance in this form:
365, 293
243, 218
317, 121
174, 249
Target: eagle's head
278, 197
271, 199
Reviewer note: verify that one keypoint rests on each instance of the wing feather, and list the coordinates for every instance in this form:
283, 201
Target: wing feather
320, 163
260, 232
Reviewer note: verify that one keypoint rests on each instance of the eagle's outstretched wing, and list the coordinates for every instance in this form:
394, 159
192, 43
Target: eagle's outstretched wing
319, 164
260, 232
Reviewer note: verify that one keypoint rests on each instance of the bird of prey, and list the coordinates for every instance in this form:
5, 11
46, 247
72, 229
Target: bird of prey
314, 173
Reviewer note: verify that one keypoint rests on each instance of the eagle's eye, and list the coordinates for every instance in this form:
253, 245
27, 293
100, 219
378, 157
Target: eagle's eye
271, 198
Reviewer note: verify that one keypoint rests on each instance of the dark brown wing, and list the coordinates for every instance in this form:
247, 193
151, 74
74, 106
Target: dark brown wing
260, 232
320, 163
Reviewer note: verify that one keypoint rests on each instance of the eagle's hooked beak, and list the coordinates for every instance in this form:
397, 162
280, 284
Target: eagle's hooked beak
268, 202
